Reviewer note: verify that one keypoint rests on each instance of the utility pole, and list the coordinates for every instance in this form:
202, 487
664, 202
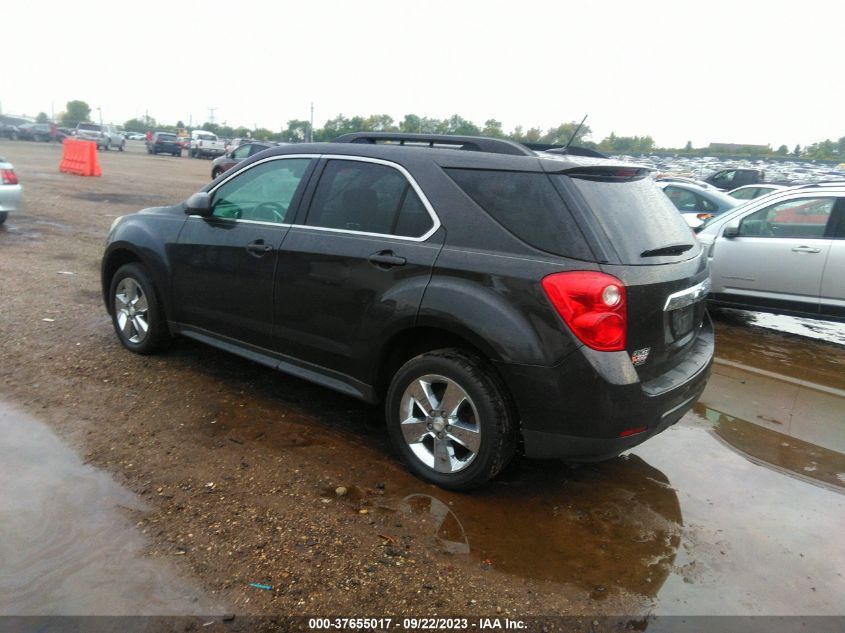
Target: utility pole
311, 125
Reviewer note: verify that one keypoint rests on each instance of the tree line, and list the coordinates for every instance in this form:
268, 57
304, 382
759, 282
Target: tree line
298, 131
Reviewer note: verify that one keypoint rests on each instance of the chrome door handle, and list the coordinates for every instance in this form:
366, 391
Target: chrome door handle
806, 249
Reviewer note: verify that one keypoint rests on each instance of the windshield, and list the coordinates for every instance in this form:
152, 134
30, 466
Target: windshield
206, 137
91, 127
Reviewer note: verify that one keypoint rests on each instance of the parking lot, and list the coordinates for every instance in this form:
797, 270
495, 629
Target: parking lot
232, 469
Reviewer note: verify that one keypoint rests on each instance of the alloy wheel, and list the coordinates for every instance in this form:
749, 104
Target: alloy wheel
440, 423
131, 310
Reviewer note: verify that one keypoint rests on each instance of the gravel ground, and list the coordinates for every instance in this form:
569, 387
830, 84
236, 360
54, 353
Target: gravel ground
240, 464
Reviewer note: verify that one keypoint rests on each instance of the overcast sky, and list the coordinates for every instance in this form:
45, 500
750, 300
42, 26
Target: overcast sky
738, 71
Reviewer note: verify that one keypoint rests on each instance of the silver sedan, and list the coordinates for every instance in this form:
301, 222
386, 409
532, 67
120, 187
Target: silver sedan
783, 253
10, 190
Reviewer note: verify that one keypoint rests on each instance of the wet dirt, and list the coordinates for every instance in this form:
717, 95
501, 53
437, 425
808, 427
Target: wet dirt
734, 510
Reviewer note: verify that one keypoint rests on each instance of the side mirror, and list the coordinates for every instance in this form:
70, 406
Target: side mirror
199, 204
731, 229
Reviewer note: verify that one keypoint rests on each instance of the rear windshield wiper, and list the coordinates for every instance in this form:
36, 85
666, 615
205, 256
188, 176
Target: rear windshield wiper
671, 249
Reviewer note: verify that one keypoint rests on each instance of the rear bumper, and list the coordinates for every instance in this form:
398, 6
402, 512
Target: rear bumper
579, 410
10, 197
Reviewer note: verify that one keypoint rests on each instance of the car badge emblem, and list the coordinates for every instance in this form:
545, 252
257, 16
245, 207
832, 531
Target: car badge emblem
640, 356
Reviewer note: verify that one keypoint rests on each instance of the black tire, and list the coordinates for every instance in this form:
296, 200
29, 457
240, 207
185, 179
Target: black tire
107, 146
216, 173
157, 336
496, 416
3, 216
122, 146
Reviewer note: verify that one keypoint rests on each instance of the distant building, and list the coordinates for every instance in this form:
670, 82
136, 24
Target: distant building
737, 148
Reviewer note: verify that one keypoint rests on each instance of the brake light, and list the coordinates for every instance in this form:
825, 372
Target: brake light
593, 305
9, 176
636, 430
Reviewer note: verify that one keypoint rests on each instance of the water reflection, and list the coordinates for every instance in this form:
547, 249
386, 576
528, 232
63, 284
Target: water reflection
601, 527
67, 546
791, 455
828, 331
780, 401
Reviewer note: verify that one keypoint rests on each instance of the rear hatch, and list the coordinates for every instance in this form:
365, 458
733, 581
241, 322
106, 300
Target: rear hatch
89, 132
640, 238
169, 140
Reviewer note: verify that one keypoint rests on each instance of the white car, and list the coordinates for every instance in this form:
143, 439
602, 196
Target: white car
749, 192
10, 190
136, 136
782, 253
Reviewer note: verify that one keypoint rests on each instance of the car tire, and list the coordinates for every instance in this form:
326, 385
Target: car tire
3, 216
13, 136
133, 303
216, 173
107, 146
122, 146
477, 437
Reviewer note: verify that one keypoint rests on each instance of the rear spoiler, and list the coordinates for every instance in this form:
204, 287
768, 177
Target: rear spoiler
563, 149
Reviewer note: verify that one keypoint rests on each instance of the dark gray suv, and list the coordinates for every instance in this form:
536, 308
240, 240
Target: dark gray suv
493, 297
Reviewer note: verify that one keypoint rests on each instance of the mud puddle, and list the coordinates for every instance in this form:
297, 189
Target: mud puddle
68, 545
736, 510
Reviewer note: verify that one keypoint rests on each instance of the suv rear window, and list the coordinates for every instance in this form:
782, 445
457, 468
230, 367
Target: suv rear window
167, 137
528, 206
636, 216
206, 137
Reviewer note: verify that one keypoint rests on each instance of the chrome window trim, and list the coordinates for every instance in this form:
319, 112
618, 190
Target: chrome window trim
363, 159
684, 298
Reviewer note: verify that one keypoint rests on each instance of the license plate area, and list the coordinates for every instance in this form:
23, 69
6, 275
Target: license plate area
681, 321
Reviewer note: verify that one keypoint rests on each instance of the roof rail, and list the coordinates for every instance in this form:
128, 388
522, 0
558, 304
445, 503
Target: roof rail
469, 143
572, 150
822, 183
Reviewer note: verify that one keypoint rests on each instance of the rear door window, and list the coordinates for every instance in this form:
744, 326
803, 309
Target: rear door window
368, 198
682, 199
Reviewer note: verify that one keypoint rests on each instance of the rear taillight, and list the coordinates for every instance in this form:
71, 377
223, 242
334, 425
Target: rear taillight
593, 306
9, 176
